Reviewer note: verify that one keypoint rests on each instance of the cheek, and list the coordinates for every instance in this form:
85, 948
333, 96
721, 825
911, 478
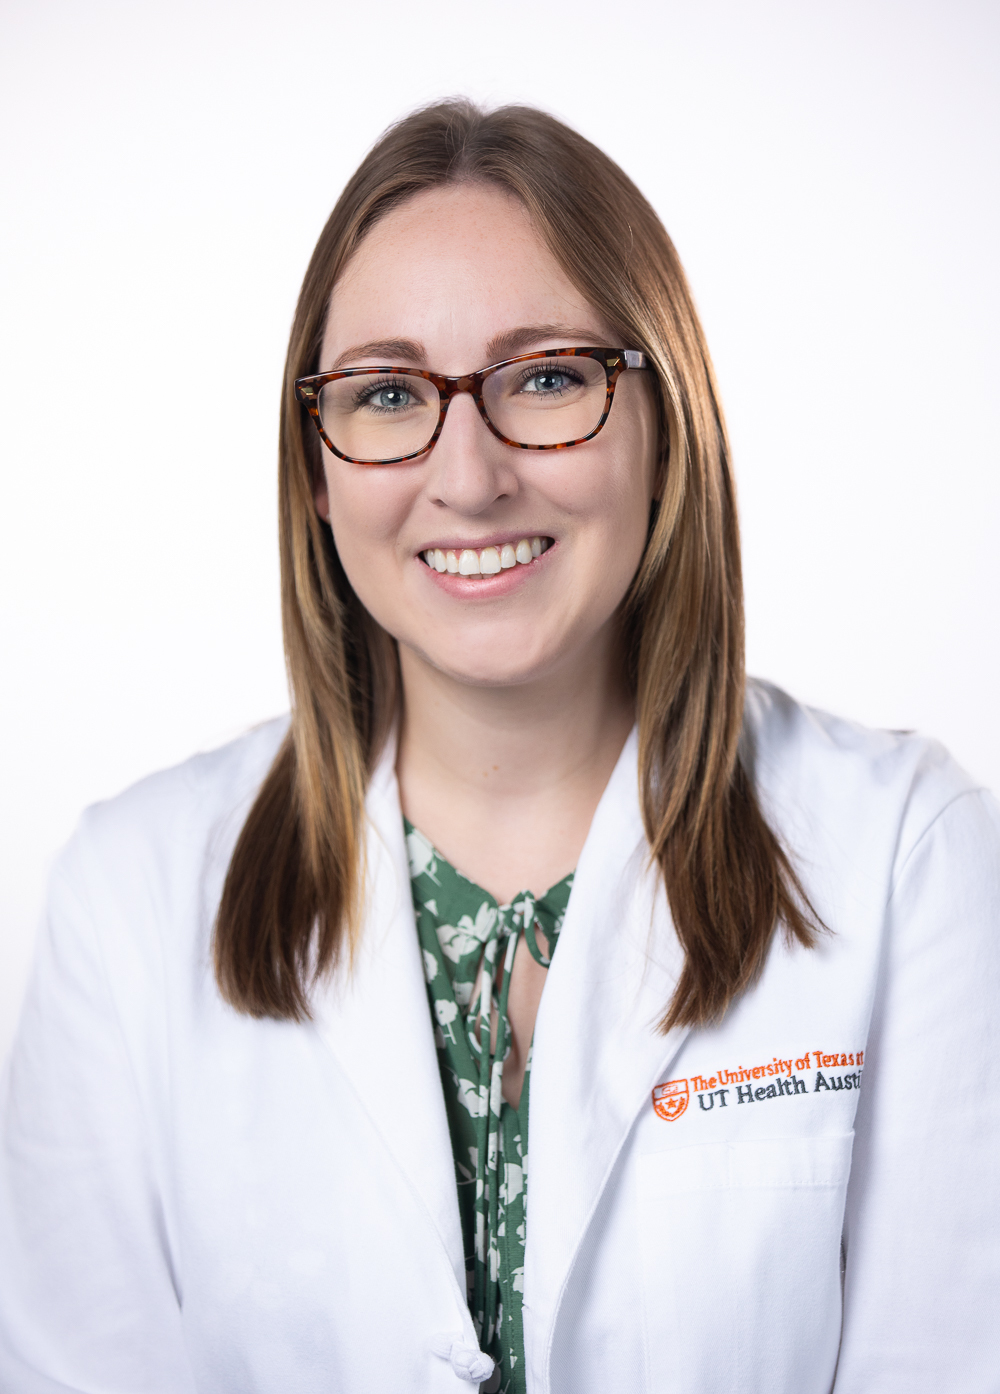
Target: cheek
368, 510
611, 492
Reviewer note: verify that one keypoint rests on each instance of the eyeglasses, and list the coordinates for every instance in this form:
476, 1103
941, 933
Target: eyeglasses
547, 400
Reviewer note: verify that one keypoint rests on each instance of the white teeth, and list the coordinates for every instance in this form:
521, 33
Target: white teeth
489, 561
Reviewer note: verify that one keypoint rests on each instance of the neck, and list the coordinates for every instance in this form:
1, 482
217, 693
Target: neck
505, 780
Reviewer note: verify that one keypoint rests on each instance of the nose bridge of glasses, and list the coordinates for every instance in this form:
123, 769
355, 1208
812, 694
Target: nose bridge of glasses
469, 382
451, 387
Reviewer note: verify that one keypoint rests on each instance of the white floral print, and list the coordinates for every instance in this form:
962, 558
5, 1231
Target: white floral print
462, 929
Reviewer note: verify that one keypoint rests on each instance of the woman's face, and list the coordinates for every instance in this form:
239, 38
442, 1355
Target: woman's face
453, 280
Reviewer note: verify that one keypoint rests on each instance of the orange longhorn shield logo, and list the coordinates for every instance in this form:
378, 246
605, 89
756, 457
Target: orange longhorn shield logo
671, 1099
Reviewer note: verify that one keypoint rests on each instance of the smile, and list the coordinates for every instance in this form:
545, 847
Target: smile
489, 560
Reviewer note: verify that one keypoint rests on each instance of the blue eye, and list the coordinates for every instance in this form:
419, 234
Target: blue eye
386, 396
551, 380
547, 380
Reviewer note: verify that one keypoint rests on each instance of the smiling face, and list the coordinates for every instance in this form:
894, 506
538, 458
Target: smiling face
455, 279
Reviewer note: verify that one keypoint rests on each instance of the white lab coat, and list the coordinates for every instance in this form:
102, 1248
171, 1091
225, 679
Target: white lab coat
194, 1200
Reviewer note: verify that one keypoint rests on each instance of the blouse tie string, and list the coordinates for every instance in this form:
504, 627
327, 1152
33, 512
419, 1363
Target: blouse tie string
522, 919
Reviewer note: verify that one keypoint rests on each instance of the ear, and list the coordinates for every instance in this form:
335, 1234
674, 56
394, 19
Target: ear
660, 482
321, 493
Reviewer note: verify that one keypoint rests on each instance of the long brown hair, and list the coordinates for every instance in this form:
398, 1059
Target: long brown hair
291, 905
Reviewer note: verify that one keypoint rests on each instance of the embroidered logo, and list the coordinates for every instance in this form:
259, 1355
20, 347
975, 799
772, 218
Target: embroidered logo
779, 1079
671, 1099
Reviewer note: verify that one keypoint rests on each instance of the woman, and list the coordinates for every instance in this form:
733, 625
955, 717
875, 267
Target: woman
528, 835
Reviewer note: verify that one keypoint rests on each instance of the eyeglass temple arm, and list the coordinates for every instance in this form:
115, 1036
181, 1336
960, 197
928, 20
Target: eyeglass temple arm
634, 359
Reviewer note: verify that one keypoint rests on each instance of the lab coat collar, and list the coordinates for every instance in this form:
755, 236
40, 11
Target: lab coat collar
376, 1020
597, 1053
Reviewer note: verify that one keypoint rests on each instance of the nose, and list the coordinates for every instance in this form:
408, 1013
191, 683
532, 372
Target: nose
469, 468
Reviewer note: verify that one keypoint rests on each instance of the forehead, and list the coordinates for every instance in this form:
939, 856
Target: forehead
451, 268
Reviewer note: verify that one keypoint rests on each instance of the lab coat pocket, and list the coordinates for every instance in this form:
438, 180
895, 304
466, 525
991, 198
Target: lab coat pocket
741, 1258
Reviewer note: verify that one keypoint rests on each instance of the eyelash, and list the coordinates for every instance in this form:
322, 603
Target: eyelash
532, 370
364, 394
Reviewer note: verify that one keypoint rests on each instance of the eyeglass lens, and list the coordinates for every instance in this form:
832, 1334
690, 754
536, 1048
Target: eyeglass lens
543, 402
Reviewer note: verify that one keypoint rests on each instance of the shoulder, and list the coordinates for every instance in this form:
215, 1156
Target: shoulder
132, 901
871, 792
171, 826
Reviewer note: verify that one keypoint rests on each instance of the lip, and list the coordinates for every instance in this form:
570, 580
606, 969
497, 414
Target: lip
496, 539
496, 587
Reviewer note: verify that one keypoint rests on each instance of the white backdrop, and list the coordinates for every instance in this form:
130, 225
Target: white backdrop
828, 172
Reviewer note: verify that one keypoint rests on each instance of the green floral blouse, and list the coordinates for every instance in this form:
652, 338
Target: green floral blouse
461, 926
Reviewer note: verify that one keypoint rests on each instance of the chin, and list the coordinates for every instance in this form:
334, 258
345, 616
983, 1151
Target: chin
492, 665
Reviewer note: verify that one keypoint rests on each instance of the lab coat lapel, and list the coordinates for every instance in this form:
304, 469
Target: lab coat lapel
376, 1021
597, 1053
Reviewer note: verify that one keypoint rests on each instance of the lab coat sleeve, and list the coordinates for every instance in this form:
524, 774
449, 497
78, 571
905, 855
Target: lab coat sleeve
922, 1231
88, 1301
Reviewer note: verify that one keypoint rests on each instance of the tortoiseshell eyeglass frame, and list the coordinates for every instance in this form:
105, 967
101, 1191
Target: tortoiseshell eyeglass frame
614, 361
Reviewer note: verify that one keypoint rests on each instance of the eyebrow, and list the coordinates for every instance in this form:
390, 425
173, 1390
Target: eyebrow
389, 350
506, 345
514, 341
